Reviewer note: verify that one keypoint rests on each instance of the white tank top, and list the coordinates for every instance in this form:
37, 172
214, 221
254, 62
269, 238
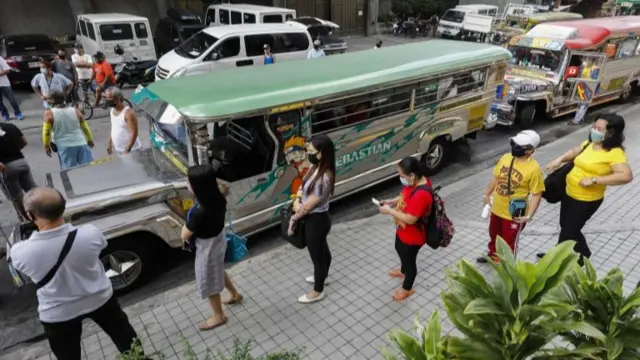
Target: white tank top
66, 131
120, 134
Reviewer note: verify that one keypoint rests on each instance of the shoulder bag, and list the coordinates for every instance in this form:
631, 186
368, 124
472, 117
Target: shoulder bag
71, 237
517, 207
555, 184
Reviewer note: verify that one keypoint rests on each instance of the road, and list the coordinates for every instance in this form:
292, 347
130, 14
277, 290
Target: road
18, 316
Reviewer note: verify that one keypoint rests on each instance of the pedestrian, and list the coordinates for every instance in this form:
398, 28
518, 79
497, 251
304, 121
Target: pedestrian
269, 58
599, 162
206, 225
65, 67
7, 92
590, 72
434, 24
103, 75
316, 51
84, 69
16, 173
66, 130
64, 262
123, 138
407, 211
312, 205
514, 192
378, 44
48, 81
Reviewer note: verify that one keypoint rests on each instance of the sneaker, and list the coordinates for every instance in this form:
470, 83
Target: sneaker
482, 260
311, 280
5, 117
573, 123
541, 255
19, 116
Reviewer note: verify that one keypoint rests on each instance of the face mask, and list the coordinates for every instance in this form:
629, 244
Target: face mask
62, 57
313, 159
44, 71
110, 103
404, 182
596, 136
316, 47
517, 150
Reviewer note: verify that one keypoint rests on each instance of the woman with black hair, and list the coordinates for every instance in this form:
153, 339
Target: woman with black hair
206, 226
413, 204
312, 204
599, 162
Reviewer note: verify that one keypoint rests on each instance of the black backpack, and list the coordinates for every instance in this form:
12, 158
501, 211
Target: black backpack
438, 227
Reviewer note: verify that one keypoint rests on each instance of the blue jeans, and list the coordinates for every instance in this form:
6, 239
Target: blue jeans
72, 156
5, 91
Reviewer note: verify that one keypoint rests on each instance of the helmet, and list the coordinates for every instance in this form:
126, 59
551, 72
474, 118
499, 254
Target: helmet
118, 50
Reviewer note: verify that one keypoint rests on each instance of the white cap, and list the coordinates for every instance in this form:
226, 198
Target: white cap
527, 138
316, 42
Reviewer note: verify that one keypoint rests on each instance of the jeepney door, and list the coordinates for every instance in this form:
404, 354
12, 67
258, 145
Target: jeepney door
583, 75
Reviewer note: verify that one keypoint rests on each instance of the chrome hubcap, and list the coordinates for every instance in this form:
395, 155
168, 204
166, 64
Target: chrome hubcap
434, 156
122, 267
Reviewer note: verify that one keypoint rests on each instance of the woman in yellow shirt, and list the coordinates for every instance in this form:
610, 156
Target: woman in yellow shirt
598, 163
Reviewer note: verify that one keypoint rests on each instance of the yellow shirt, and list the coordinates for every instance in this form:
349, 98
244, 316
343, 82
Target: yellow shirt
526, 178
592, 163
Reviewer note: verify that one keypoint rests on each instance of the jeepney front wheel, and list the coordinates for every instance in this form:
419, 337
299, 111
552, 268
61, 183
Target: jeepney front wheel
625, 94
128, 261
437, 155
526, 115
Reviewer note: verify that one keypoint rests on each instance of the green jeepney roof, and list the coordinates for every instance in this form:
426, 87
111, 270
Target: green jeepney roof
554, 16
241, 90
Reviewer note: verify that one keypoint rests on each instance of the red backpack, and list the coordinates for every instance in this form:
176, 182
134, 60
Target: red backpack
438, 227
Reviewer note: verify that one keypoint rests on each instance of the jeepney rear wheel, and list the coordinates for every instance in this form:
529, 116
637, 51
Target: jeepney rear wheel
625, 94
527, 115
437, 155
128, 261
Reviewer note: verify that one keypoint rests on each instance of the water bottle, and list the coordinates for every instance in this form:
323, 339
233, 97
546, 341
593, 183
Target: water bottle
486, 211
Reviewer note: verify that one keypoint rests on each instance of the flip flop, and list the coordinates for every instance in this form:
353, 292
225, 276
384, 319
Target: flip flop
396, 273
233, 301
206, 326
404, 296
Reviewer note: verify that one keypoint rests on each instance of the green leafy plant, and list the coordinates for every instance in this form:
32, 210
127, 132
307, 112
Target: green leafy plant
603, 305
427, 346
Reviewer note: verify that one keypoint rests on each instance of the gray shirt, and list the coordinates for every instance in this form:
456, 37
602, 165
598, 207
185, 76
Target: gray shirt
80, 285
321, 189
64, 68
57, 83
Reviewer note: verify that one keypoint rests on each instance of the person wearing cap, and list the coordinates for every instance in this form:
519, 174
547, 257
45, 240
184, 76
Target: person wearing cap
103, 75
516, 188
269, 58
317, 51
84, 68
65, 67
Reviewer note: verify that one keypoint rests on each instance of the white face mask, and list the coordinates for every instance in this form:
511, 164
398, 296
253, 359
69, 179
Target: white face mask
44, 71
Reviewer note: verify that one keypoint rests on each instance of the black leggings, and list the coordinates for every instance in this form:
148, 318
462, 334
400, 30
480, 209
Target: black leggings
64, 337
316, 230
574, 214
408, 256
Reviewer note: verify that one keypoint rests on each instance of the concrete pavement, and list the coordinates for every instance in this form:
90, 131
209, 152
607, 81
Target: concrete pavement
352, 321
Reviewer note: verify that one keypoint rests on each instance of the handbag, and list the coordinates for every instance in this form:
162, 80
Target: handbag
555, 184
297, 239
236, 244
517, 207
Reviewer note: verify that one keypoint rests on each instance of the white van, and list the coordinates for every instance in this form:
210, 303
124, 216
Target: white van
236, 14
102, 32
223, 47
450, 25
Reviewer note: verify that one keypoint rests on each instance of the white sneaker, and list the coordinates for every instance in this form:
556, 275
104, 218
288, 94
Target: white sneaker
311, 280
305, 300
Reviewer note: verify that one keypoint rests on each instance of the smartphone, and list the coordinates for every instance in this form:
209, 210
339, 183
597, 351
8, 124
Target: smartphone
375, 201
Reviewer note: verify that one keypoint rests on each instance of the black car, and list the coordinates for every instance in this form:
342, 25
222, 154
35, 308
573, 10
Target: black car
323, 30
23, 53
174, 29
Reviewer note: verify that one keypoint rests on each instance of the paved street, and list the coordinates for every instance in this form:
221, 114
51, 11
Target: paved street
352, 322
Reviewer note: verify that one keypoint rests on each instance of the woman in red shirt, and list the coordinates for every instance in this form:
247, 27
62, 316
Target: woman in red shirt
408, 210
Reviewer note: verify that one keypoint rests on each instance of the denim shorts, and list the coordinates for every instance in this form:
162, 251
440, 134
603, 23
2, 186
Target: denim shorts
72, 156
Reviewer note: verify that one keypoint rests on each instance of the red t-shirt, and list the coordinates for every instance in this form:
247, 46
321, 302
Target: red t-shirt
417, 205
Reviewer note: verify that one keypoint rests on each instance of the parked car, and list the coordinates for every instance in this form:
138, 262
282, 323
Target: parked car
23, 53
236, 14
323, 30
179, 25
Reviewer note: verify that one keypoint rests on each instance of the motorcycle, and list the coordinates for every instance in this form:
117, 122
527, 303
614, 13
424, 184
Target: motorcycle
132, 72
405, 28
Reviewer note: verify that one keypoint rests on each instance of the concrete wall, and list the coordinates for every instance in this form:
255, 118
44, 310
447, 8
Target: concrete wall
36, 16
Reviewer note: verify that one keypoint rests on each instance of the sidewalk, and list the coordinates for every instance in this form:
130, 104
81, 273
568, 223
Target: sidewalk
354, 319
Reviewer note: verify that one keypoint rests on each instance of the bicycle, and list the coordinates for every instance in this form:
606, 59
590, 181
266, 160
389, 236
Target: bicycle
88, 99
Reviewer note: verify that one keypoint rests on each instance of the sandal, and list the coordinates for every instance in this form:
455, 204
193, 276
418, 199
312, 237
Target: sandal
402, 294
396, 273
233, 300
207, 325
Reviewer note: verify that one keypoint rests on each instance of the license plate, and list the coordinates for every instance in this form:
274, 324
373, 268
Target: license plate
34, 64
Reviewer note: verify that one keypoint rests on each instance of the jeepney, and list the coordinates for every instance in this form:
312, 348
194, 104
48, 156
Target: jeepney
539, 80
252, 125
519, 24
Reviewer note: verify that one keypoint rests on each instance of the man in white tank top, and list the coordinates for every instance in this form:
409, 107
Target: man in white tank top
66, 132
124, 124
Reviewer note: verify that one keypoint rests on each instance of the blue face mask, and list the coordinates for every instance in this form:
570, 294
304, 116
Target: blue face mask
596, 136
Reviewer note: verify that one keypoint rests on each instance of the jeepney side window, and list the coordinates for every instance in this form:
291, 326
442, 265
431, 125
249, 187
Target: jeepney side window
461, 83
426, 92
283, 126
243, 147
638, 49
627, 48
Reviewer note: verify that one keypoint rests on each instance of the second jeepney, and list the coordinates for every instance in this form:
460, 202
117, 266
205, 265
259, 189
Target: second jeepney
539, 80
252, 124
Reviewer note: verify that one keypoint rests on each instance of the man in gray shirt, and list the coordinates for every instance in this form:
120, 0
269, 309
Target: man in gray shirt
64, 262
65, 67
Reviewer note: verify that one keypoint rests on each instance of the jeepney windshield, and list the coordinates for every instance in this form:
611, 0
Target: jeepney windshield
541, 60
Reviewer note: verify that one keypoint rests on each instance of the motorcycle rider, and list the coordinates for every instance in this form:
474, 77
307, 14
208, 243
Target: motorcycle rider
103, 75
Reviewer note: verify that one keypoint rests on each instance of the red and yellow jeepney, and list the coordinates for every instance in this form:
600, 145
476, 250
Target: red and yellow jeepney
538, 79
